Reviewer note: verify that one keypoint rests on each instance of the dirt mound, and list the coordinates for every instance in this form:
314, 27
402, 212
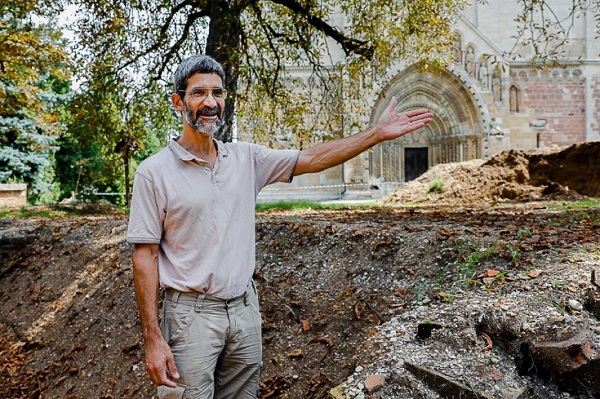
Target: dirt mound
550, 174
342, 293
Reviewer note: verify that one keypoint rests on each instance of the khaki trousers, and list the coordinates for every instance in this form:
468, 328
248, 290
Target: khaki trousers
216, 344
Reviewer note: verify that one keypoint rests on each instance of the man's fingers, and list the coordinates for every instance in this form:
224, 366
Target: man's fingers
172, 369
164, 373
417, 111
161, 377
392, 105
419, 114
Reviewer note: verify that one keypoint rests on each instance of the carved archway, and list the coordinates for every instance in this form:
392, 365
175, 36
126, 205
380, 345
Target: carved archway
458, 128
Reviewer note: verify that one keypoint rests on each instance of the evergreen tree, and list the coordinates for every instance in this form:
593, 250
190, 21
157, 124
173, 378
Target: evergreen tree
33, 71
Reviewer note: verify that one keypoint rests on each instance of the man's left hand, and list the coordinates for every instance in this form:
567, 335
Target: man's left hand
391, 124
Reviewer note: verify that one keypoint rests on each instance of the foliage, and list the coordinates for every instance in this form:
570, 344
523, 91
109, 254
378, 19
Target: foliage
59, 211
581, 204
256, 41
544, 27
34, 69
108, 134
436, 186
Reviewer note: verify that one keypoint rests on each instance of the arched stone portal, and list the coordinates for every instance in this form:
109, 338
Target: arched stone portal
456, 133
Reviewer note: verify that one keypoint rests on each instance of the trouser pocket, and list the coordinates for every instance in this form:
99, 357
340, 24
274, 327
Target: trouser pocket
177, 320
171, 393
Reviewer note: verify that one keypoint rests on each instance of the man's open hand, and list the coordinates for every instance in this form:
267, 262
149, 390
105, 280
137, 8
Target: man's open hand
391, 124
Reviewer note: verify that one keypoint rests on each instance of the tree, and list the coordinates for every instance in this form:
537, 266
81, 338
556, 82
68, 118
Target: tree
33, 70
543, 29
108, 131
255, 41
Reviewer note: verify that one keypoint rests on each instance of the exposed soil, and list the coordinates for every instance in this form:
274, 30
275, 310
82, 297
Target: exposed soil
343, 292
569, 173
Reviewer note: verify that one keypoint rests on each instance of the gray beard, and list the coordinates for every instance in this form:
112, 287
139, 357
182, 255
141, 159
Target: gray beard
199, 126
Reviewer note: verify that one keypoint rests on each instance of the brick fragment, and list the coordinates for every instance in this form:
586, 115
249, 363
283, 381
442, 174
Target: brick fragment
374, 382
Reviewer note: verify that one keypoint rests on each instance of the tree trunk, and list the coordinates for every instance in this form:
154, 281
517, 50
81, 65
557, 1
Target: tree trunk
223, 44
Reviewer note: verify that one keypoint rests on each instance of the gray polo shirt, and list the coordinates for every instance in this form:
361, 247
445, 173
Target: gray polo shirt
203, 218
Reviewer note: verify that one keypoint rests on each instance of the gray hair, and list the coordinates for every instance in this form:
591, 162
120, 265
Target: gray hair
195, 64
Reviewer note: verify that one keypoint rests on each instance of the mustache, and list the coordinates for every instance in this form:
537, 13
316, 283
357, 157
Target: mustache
208, 111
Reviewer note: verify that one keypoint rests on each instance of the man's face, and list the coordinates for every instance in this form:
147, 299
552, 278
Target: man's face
204, 115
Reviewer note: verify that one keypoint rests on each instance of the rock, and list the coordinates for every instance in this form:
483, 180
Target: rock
338, 392
515, 393
555, 358
374, 382
575, 305
582, 381
593, 304
443, 385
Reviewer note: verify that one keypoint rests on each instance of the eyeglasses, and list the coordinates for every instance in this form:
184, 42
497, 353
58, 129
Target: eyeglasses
200, 93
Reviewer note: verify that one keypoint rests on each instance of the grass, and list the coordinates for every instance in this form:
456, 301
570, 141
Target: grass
555, 303
57, 212
436, 186
582, 204
297, 205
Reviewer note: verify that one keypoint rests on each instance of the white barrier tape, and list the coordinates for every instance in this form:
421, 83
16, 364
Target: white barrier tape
330, 186
95, 193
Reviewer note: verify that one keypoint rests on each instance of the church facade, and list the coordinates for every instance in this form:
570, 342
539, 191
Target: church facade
484, 102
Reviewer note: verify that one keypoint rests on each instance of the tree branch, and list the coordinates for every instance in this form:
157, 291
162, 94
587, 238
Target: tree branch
268, 29
162, 36
349, 45
184, 35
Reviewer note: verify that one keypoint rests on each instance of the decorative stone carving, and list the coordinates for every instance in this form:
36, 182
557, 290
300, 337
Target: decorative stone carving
496, 127
484, 78
456, 48
513, 99
470, 61
497, 85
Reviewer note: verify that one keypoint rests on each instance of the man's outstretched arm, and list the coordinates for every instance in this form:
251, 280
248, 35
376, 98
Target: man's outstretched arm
160, 363
389, 126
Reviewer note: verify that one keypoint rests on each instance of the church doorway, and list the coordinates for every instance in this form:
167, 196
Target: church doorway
456, 133
416, 162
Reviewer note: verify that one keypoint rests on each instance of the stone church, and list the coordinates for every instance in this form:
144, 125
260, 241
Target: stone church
484, 103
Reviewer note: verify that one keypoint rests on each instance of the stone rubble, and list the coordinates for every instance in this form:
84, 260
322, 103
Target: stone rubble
458, 351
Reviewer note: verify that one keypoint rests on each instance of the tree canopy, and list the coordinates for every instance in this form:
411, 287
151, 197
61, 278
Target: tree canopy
256, 40
126, 50
33, 73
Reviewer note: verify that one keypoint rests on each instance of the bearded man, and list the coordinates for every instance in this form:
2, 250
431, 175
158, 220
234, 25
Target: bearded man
192, 223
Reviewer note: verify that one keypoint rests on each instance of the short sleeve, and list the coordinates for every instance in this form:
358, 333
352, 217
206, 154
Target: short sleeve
147, 212
274, 166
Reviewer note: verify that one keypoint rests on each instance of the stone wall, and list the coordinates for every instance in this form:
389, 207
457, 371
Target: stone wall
13, 195
595, 105
554, 106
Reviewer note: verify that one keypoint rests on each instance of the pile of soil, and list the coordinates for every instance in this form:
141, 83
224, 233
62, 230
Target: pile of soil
342, 293
568, 173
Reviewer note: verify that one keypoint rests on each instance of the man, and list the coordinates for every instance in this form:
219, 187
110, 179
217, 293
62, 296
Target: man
192, 222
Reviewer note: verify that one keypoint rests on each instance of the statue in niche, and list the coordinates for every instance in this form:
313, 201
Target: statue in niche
470, 61
497, 86
484, 75
513, 99
456, 48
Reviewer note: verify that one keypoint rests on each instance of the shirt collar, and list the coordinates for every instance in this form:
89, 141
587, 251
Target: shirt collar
185, 155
